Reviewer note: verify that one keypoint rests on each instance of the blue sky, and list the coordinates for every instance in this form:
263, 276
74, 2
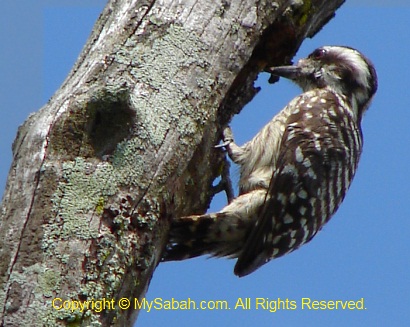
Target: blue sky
361, 253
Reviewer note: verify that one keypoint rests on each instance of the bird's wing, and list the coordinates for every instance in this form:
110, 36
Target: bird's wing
317, 160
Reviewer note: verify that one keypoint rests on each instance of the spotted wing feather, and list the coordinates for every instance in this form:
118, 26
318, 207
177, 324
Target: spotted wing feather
317, 159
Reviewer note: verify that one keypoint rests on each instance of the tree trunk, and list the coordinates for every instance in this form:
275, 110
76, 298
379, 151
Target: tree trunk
126, 144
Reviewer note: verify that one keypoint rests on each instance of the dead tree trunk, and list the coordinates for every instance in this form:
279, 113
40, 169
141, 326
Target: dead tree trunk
126, 144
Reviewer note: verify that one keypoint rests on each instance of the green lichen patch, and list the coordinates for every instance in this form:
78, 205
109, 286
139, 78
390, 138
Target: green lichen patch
165, 92
81, 191
305, 12
49, 281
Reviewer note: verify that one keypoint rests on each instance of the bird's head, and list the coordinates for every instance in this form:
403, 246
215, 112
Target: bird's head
343, 69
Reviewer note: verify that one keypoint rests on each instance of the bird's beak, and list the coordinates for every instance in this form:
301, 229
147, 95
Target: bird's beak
290, 72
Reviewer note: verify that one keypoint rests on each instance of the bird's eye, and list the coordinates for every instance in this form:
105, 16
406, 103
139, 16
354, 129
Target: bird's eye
318, 53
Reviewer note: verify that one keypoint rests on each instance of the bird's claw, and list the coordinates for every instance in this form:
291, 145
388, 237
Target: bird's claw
224, 144
227, 138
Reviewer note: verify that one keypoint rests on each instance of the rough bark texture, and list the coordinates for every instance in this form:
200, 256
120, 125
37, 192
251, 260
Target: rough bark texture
127, 143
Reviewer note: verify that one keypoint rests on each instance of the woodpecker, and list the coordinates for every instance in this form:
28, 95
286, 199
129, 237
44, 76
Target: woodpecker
295, 172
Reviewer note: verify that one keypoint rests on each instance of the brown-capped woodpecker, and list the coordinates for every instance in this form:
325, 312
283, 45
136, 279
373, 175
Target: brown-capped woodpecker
295, 172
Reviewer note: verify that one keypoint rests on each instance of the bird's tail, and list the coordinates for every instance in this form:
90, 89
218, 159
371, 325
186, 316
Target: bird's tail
221, 234
216, 234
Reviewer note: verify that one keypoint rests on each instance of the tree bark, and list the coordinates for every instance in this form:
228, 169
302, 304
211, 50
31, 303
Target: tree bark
126, 144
